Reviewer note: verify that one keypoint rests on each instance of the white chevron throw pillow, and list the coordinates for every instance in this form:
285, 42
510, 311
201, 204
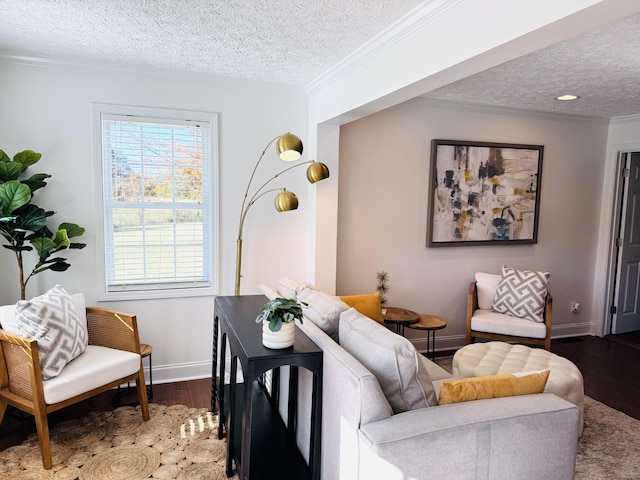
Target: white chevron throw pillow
52, 320
522, 293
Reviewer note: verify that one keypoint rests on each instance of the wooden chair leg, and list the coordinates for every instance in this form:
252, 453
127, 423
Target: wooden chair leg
142, 395
42, 427
3, 410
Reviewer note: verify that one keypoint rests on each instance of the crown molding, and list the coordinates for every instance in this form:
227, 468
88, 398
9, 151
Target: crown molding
628, 119
415, 19
51, 62
499, 110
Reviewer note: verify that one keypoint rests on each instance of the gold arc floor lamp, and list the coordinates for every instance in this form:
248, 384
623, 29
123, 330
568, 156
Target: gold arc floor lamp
289, 148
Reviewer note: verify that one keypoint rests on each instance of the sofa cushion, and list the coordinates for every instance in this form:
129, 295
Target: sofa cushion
288, 287
52, 320
95, 367
322, 309
8, 319
521, 293
486, 284
367, 304
391, 358
492, 322
492, 386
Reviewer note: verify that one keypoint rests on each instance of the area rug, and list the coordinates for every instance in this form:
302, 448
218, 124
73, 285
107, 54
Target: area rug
176, 443
609, 448
181, 443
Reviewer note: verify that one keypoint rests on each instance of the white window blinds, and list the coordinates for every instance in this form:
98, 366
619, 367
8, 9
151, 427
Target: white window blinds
157, 202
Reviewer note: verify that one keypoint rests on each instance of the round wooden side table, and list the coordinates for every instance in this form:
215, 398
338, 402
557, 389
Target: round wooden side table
399, 318
430, 323
145, 352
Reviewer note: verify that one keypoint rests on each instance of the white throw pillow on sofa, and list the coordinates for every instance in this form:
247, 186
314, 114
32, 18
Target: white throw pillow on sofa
289, 287
391, 358
323, 309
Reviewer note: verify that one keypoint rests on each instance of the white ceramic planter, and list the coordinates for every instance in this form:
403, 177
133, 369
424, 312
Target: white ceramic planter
283, 338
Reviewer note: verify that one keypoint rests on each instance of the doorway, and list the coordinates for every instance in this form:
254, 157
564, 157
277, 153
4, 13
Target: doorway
625, 307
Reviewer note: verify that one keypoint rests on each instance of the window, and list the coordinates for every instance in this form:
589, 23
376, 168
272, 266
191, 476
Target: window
157, 198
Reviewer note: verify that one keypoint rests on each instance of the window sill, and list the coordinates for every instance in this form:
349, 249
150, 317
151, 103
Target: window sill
157, 294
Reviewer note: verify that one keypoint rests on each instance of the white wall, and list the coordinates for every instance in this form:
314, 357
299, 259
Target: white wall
47, 108
383, 202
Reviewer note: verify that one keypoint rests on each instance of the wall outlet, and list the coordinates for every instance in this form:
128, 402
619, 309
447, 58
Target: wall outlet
575, 307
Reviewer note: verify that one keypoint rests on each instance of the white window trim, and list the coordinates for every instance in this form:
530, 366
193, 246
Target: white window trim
101, 108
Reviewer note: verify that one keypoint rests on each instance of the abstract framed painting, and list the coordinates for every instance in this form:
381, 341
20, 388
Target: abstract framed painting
483, 193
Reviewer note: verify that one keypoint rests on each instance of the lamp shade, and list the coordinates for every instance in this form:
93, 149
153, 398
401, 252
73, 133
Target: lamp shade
286, 201
317, 171
289, 147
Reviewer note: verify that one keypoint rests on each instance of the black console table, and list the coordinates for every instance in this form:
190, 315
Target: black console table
257, 438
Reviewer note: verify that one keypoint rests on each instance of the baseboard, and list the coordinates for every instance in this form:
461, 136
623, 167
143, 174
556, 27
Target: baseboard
571, 330
179, 372
445, 342
454, 342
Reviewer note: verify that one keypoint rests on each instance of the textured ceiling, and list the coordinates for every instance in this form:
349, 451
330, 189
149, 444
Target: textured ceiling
286, 41
293, 42
602, 67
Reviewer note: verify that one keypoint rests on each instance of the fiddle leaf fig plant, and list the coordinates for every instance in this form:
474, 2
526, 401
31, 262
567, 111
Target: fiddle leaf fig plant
23, 224
279, 311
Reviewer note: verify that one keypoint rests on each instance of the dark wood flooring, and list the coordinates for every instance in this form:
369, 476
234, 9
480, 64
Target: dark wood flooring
610, 367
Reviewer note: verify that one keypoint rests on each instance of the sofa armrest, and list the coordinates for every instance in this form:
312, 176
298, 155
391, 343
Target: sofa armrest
113, 329
529, 436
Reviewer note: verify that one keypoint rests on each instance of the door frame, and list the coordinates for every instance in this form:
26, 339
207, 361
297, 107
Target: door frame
616, 230
612, 257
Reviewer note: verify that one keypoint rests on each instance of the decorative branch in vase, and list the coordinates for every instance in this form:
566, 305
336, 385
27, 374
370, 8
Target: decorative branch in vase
383, 286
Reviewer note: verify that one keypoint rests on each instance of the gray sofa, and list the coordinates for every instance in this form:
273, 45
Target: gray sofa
526, 437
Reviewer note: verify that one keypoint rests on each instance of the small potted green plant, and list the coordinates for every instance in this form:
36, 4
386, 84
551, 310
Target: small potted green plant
278, 318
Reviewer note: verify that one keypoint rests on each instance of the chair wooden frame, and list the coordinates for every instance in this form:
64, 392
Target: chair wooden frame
21, 378
472, 306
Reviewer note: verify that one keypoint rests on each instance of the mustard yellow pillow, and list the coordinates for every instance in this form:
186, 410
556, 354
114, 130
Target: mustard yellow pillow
492, 386
367, 304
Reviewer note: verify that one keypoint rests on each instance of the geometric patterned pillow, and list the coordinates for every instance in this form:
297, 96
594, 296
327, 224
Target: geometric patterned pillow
51, 319
521, 293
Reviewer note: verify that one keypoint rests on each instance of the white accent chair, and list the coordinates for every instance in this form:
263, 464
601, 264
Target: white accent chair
483, 322
111, 359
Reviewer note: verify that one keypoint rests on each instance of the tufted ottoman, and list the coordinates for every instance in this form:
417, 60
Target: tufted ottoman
492, 358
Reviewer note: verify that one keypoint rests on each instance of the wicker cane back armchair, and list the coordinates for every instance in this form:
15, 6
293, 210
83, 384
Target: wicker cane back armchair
22, 386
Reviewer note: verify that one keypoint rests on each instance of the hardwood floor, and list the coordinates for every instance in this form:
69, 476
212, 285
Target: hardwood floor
610, 367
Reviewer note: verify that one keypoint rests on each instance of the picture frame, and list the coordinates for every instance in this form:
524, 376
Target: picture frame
484, 193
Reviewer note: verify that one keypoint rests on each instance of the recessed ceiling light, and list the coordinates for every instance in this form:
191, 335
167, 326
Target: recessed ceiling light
567, 97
